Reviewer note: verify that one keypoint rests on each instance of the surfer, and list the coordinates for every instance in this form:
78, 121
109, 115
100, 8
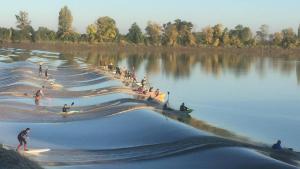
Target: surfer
40, 70
277, 146
183, 107
38, 95
22, 139
66, 108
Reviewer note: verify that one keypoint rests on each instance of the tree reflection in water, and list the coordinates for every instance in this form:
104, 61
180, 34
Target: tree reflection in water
180, 65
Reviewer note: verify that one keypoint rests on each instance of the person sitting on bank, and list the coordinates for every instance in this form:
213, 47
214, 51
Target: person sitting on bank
143, 82
150, 89
110, 66
183, 107
66, 108
277, 146
118, 71
156, 93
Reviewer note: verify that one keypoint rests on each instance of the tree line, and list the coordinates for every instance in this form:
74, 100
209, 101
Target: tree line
176, 33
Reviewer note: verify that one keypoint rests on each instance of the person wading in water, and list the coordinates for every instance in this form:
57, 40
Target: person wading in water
40, 70
38, 95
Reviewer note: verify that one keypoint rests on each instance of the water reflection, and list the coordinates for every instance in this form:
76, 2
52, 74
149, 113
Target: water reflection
179, 65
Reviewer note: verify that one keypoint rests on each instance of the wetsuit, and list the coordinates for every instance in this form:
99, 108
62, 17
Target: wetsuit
21, 137
276, 146
65, 109
40, 70
38, 94
37, 97
183, 108
143, 81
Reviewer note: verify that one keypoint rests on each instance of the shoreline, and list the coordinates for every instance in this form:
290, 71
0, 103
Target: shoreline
130, 48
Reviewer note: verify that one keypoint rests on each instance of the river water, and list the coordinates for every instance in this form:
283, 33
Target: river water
253, 96
241, 97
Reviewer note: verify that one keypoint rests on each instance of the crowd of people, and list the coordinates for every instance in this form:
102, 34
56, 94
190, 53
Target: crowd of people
142, 88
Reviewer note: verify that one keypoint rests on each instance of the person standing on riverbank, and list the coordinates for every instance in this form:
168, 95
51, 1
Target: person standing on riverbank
22, 136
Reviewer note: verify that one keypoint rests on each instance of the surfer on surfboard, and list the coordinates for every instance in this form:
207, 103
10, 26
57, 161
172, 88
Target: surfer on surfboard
66, 108
22, 139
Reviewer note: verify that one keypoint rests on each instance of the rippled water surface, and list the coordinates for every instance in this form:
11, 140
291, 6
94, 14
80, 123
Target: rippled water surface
251, 99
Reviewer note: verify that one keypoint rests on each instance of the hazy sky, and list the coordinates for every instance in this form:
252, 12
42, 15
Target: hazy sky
277, 14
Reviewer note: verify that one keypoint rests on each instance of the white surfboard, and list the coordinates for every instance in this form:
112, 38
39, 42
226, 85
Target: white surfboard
68, 113
36, 151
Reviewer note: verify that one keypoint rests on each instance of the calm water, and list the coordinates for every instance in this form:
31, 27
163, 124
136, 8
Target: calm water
257, 97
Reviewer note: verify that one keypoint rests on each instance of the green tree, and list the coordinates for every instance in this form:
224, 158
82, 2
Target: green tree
16, 35
154, 32
5, 34
277, 38
235, 41
135, 34
23, 23
299, 32
225, 37
217, 34
246, 35
45, 34
208, 35
170, 34
91, 31
65, 21
262, 34
185, 35
106, 29
22, 20
289, 38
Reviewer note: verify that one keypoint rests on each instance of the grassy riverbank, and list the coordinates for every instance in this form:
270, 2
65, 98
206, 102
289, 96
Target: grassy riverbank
11, 160
117, 47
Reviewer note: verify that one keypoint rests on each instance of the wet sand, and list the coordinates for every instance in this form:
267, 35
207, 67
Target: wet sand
111, 125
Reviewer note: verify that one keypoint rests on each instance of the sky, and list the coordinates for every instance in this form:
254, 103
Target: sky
278, 14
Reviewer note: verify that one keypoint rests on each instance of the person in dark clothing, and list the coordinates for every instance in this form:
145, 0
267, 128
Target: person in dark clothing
46, 73
22, 139
277, 146
143, 82
183, 107
66, 108
110, 66
40, 70
118, 71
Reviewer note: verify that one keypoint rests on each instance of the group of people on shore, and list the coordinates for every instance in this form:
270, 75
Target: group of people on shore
141, 87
